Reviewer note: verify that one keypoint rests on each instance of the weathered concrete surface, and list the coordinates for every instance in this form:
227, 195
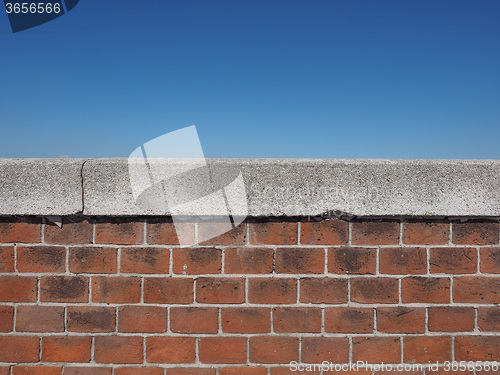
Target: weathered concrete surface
40, 186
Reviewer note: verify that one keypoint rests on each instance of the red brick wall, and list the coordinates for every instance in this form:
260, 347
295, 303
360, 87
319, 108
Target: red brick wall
104, 296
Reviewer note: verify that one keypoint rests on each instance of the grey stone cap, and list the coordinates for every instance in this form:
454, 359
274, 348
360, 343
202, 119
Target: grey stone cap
272, 187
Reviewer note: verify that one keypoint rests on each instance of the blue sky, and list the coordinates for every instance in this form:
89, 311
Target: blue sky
272, 78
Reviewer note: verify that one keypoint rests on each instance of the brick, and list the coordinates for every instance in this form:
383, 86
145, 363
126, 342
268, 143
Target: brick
376, 349
118, 349
319, 349
223, 349
190, 371
488, 318
236, 236
274, 349
352, 260
40, 319
66, 348
93, 260
195, 261
300, 260
453, 260
122, 231
401, 319
88, 370
36, 370
140, 319
6, 259
145, 260
272, 290
194, 319
6, 319
403, 261
451, 319
90, 319
246, 319
374, 290
4, 370
307, 369
297, 319
24, 230
273, 233
476, 289
20, 349
477, 348
245, 260
418, 289
73, 231
422, 349
243, 371
426, 233
405, 372
161, 231
447, 371
349, 319
326, 232
220, 290
64, 289
41, 259
18, 289
375, 233
116, 289
170, 349
490, 260
138, 371
475, 233
168, 290
323, 290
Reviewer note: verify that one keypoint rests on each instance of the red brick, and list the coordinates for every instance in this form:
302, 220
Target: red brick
273, 233
401, 319
326, 232
477, 348
6, 319
6, 259
93, 260
36, 370
274, 349
246, 320
447, 371
243, 371
195, 261
18, 289
223, 349
4, 370
170, 349
118, 349
142, 319
190, 371
451, 319
490, 260
40, 319
349, 319
453, 260
403, 260
91, 319
73, 231
425, 290
26, 230
249, 260
319, 349
297, 319
352, 260
64, 289
476, 289
194, 319
272, 290
168, 290
488, 318
375, 233
41, 259
123, 232
306, 369
236, 236
300, 260
475, 233
220, 290
374, 290
404, 372
426, 233
162, 231
422, 349
19, 349
376, 349
116, 289
323, 290
88, 370
66, 348
145, 260
138, 371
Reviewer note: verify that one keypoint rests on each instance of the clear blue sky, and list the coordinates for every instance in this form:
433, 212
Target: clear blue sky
259, 78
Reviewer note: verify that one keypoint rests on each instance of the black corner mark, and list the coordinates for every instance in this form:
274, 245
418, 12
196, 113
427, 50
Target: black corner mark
25, 14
